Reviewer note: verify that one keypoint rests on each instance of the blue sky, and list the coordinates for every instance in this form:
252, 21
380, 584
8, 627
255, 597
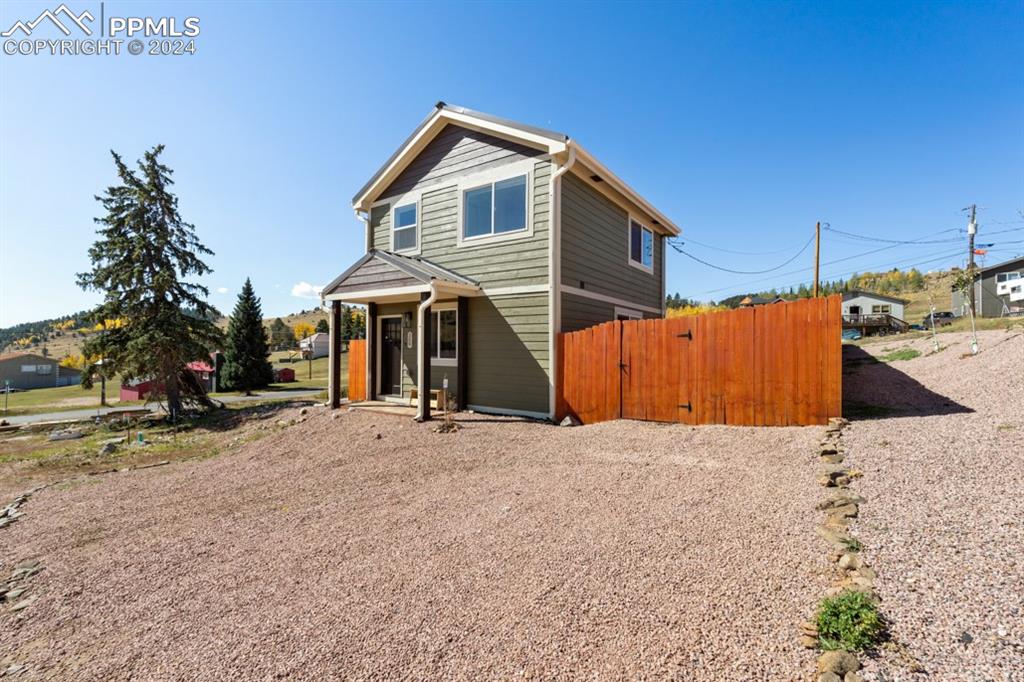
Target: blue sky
744, 122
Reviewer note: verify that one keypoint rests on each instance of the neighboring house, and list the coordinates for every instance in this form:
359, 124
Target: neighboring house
25, 371
484, 239
870, 303
206, 372
319, 344
998, 291
751, 301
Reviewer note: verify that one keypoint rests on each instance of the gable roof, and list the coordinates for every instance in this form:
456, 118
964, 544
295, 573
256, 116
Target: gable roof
417, 268
853, 293
25, 354
998, 266
556, 144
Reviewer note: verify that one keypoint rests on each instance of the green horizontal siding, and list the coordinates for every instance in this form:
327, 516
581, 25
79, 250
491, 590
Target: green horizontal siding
595, 248
579, 312
380, 227
509, 353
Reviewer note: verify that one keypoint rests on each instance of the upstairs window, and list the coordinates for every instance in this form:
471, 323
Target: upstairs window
494, 208
1007, 277
641, 246
405, 222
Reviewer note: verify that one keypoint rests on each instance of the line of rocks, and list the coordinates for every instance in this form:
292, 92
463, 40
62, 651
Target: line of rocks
12, 512
854, 573
13, 590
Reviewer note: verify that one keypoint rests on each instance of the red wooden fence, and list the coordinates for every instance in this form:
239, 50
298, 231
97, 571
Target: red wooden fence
771, 365
357, 369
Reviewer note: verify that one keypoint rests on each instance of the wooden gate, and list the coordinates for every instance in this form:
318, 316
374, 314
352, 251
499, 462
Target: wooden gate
772, 365
357, 369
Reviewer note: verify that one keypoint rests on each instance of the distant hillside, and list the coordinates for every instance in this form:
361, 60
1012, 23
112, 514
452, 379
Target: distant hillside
912, 285
63, 336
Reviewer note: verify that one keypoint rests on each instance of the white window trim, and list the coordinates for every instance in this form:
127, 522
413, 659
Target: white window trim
628, 312
490, 177
435, 331
412, 198
630, 219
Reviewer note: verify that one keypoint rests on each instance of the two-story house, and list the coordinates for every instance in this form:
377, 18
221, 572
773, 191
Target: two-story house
484, 239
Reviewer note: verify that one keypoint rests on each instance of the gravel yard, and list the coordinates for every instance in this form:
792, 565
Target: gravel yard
944, 518
505, 549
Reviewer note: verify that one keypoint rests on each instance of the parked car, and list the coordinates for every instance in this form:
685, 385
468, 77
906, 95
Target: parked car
851, 335
941, 319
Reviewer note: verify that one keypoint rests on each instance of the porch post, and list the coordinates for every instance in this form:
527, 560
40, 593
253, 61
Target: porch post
423, 390
334, 384
461, 353
371, 351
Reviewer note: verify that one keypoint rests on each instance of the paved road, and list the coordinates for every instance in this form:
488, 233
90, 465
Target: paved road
97, 411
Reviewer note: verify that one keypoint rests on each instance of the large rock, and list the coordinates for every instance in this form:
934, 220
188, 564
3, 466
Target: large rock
829, 677
68, 434
838, 662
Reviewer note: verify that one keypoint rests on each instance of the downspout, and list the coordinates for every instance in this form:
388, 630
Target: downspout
365, 220
421, 318
555, 272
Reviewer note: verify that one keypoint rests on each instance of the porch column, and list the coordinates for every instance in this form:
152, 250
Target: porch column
334, 380
371, 351
423, 389
461, 353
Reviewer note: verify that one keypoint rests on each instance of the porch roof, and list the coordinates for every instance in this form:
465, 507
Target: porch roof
384, 276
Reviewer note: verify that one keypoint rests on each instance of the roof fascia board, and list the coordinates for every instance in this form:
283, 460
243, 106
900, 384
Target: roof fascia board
616, 183
429, 129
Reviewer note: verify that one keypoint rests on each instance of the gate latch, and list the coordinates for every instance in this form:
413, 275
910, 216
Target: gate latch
688, 335
689, 408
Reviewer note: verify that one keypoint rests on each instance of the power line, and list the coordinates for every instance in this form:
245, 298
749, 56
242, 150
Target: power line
897, 241
908, 262
831, 262
689, 240
743, 272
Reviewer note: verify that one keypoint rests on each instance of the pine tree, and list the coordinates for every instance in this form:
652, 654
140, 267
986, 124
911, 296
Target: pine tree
245, 356
322, 327
280, 334
141, 263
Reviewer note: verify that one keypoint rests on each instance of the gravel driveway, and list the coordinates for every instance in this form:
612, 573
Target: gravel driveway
944, 520
507, 549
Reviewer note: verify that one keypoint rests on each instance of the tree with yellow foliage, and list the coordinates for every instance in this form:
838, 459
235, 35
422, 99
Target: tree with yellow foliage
301, 330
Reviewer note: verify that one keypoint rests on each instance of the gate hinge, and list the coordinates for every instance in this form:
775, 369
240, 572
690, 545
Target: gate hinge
688, 335
689, 408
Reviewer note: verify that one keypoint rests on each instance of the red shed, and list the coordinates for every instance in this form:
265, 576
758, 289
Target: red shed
284, 375
136, 391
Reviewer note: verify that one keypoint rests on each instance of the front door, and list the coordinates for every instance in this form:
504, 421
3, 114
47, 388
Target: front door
855, 310
391, 356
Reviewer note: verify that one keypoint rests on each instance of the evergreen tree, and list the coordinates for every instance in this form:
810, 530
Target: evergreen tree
322, 326
245, 356
280, 334
140, 263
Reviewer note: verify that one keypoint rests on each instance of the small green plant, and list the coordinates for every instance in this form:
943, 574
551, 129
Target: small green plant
849, 621
852, 544
902, 354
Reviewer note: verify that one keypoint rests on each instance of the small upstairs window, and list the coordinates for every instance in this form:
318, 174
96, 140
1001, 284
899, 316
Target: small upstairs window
641, 246
404, 229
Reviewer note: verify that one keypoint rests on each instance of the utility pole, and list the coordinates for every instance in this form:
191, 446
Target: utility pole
972, 229
817, 255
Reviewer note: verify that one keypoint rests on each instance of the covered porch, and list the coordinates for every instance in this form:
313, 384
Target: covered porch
416, 322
